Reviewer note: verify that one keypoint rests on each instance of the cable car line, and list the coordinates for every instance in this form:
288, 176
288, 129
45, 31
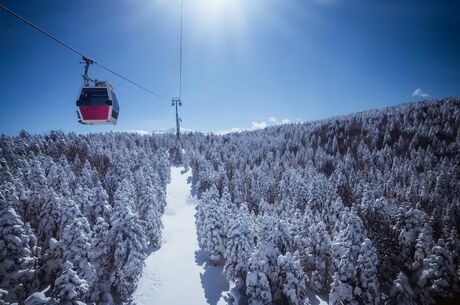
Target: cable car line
175, 102
84, 57
42, 31
180, 48
133, 83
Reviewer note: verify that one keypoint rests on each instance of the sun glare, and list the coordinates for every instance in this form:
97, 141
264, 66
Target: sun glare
219, 10
219, 15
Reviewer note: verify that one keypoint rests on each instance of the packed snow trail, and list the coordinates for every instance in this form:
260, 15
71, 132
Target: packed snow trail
178, 273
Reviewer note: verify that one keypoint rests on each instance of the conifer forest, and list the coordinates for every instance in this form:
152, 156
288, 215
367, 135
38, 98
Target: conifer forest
359, 209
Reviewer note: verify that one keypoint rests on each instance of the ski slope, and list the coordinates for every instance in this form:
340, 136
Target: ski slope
177, 273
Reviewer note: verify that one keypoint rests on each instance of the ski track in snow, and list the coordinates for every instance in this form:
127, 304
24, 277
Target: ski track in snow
178, 273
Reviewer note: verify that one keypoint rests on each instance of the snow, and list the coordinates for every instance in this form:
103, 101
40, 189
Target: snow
38, 298
316, 299
179, 272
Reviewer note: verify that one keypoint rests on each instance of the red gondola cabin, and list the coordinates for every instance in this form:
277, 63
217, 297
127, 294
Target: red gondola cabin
97, 105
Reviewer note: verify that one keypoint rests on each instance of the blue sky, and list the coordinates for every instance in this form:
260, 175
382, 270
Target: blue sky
247, 63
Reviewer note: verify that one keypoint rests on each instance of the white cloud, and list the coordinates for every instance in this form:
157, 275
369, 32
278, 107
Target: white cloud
259, 125
140, 132
420, 93
230, 130
272, 121
275, 121
285, 121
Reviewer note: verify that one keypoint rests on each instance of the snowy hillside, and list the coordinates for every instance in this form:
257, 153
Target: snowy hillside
77, 214
364, 208
359, 209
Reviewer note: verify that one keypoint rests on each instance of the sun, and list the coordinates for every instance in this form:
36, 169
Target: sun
219, 10
218, 15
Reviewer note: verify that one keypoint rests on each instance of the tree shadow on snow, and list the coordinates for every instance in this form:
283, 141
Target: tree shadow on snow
190, 200
212, 279
314, 298
200, 257
150, 250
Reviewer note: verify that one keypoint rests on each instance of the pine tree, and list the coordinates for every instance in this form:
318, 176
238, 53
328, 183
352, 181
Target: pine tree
128, 241
367, 290
68, 211
257, 286
292, 278
52, 260
317, 256
209, 197
88, 176
238, 249
83, 201
409, 224
269, 250
49, 221
148, 208
443, 277
423, 247
345, 251
57, 179
76, 244
69, 288
100, 203
401, 293
100, 254
36, 181
214, 231
18, 254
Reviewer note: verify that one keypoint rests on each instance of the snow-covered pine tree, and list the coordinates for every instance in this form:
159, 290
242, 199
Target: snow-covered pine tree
148, 207
292, 278
240, 245
211, 195
18, 254
83, 200
69, 288
443, 274
127, 241
36, 182
56, 178
100, 203
257, 286
51, 261
49, 221
88, 175
66, 170
367, 290
345, 250
423, 247
402, 293
409, 223
100, 254
68, 211
76, 244
268, 249
318, 247
163, 167
214, 231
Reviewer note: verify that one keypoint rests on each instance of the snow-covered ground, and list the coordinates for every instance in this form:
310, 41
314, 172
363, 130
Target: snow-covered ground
316, 299
178, 272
